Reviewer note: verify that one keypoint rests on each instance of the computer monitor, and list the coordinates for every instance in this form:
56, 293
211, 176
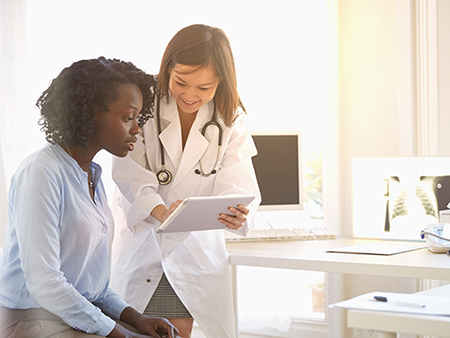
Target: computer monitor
278, 168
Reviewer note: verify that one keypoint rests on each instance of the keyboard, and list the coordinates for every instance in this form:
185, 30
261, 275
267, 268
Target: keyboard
280, 234
322, 233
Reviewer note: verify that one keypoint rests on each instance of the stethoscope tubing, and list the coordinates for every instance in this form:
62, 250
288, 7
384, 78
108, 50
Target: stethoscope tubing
164, 176
424, 232
213, 122
158, 123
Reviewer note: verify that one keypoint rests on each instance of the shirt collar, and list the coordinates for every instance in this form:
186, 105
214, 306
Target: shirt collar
95, 168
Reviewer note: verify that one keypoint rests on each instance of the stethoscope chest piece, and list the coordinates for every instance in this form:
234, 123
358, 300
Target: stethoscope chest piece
164, 176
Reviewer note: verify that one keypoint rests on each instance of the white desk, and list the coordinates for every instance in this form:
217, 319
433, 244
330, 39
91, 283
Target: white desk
392, 323
312, 256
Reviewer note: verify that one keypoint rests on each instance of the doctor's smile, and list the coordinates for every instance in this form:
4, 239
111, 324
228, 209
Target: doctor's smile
189, 103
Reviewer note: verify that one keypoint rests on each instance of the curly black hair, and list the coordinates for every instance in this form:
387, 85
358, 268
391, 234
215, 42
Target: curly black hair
69, 104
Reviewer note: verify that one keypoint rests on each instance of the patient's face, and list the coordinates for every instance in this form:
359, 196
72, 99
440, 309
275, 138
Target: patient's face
116, 129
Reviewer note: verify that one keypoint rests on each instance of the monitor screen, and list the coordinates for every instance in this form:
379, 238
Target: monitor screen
278, 168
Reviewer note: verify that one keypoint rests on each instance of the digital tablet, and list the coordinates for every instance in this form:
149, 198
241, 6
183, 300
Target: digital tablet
202, 213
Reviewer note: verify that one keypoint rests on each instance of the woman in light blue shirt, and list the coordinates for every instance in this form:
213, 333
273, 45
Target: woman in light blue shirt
54, 279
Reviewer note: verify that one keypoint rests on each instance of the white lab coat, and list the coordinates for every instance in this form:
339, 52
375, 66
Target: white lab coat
195, 263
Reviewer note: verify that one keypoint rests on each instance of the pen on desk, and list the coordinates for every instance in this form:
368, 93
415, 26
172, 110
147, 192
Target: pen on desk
398, 302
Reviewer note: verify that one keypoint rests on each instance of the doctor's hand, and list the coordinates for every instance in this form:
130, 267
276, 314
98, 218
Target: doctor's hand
161, 212
237, 219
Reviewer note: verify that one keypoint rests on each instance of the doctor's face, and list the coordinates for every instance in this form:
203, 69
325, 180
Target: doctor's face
192, 86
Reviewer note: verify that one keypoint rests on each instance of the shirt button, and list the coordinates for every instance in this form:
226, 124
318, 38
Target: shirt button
148, 280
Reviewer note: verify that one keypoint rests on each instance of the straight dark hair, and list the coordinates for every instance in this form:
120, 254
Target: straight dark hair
202, 46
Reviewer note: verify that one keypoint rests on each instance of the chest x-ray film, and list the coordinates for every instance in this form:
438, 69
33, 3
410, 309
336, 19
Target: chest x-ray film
395, 198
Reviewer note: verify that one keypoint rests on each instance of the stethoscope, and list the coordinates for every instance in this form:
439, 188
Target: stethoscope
164, 176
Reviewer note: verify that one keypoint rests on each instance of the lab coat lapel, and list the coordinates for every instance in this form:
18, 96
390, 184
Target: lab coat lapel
196, 146
171, 140
171, 135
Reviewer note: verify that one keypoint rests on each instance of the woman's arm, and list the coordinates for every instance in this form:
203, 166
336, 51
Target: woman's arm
237, 176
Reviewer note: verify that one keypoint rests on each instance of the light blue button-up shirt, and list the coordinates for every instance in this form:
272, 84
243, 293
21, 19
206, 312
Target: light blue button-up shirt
58, 243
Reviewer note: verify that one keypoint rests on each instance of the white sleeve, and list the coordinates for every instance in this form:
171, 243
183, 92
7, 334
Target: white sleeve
138, 187
237, 175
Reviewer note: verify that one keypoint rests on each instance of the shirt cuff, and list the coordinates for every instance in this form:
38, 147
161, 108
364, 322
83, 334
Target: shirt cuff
116, 308
105, 325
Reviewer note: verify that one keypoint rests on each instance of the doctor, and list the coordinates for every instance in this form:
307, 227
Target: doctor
198, 144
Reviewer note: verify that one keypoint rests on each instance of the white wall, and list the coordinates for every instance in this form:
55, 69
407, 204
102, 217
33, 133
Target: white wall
368, 87
3, 201
12, 72
368, 105
443, 10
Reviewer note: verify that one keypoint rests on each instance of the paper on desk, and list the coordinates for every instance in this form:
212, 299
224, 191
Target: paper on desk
434, 305
385, 248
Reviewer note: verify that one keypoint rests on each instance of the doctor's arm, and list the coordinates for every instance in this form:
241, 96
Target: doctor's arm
142, 206
237, 176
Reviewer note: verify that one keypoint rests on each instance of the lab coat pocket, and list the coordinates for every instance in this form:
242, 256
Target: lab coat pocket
207, 248
130, 244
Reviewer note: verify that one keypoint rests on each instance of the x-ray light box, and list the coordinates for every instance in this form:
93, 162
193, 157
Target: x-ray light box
395, 198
